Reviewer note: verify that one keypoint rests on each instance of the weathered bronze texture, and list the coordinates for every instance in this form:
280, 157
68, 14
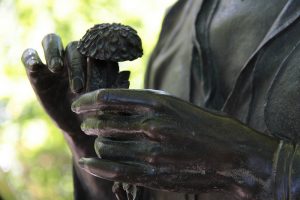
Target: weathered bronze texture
104, 45
219, 118
89, 64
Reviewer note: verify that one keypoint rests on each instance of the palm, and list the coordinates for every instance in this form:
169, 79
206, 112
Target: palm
56, 85
51, 82
53, 91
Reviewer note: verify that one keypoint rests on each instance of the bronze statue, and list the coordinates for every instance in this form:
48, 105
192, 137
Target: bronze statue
228, 128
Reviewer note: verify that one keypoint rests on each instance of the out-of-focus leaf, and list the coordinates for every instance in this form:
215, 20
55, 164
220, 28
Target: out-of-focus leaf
33, 153
6, 192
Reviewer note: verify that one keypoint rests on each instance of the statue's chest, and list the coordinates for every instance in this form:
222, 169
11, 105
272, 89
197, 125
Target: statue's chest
235, 31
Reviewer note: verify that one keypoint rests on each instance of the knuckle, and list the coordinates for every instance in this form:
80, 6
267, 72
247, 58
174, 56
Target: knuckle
159, 104
116, 172
154, 130
153, 159
154, 155
102, 95
151, 127
159, 99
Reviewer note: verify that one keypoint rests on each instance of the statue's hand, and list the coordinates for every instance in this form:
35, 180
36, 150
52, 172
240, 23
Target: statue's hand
56, 84
51, 81
158, 141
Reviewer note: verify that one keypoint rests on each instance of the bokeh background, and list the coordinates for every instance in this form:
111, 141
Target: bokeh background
34, 159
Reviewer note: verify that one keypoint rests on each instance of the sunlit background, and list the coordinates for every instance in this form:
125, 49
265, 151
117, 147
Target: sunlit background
34, 159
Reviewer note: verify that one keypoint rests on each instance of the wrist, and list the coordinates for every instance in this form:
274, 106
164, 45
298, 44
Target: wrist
286, 173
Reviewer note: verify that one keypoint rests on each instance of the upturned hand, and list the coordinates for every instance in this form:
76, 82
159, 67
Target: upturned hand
57, 83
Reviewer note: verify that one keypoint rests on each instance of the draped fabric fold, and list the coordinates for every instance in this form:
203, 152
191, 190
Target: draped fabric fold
173, 54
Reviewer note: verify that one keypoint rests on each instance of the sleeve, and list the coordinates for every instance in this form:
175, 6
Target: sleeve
282, 109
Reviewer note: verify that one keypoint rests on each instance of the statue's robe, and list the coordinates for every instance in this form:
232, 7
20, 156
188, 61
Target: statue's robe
266, 92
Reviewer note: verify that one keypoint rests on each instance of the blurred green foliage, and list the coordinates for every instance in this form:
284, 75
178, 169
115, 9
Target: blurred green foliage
35, 162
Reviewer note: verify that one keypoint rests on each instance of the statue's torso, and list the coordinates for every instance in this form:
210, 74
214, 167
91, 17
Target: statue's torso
236, 30
232, 34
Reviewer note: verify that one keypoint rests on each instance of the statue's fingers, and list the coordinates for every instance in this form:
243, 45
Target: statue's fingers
144, 151
130, 172
123, 79
113, 126
129, 127
113, 149
76, 63
53, 49
140, 101
32, 61
39, 75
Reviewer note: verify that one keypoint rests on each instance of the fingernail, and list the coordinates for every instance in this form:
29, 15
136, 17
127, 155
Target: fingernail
56, 64
30, 59
77, 84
